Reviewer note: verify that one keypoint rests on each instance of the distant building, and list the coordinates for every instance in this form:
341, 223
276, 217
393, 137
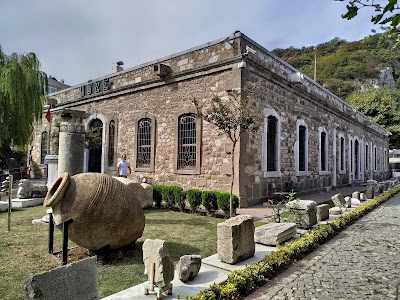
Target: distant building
310, 139
55, 85
394, 162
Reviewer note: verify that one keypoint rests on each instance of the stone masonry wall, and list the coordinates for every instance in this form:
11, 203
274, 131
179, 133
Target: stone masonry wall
317, 110
212, 69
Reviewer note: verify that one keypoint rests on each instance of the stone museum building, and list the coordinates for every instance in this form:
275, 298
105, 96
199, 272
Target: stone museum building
310, 139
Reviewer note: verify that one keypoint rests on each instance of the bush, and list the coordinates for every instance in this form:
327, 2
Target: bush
223, 202
242, 282
171, 195
209, 200
180, 199
157, 195
194, 198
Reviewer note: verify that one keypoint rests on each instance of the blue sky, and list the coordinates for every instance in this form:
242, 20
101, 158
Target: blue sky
80, 40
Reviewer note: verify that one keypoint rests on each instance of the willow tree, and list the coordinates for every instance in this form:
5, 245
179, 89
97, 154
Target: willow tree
23, 88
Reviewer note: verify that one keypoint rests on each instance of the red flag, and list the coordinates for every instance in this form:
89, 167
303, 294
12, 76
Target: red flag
48, 114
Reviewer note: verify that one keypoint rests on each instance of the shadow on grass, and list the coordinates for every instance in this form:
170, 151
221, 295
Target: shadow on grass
131, 255
176, 217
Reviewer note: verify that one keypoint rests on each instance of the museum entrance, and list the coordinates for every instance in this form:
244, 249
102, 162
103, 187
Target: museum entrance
95, 143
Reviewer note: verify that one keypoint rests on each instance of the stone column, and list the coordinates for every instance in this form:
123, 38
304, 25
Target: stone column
71, 142
52, 169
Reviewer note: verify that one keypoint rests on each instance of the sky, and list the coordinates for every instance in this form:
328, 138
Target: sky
79, 40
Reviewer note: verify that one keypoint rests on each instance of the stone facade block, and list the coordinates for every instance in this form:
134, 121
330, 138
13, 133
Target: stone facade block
322, 212
303, 213
274, 233
235, 239
73, 281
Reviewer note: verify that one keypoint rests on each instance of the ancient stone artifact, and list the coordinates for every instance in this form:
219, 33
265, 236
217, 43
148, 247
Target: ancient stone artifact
188, 267
362, 197
235, 239
142, 191
28, 190
77, 280
158, 267
348, 202
369, 194
274, 233
355, 202
335, 211
303, 213
356, 195
103, 210
322, 212
338, 200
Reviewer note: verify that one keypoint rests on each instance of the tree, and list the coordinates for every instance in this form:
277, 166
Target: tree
233, 118
382, 105
384, 13
23, 88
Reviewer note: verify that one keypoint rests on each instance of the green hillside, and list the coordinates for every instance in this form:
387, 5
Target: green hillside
342, 67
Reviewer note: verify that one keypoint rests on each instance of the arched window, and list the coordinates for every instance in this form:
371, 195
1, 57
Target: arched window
143, 144
342, 154
356, 159
187, 147
111, 143
272, 144
271, 159
95, 145
366, 158
302, 147
44, 149
323, 151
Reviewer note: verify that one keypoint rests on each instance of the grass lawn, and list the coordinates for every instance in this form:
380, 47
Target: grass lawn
23, 250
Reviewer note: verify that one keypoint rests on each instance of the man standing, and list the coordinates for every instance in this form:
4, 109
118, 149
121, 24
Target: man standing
123, 167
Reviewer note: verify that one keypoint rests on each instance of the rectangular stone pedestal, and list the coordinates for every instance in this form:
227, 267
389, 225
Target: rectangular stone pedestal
274, 233
28, 202
3, 206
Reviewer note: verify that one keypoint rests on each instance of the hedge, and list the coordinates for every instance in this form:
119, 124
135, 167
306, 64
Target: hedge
211, 200
242, 282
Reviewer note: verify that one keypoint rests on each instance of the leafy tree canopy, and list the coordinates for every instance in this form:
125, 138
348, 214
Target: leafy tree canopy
383, 106
342, 67
385, 11
22, 96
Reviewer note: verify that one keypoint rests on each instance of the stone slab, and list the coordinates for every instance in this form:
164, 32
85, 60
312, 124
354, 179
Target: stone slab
206, 277
322, 212
235, 239
73, 281
335, 211
3, 206
274, 233
28, 202
260, 252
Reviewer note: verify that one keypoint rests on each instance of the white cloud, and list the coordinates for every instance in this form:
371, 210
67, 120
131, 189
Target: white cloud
79, 40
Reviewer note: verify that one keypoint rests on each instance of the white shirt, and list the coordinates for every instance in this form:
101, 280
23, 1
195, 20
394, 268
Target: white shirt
123, 167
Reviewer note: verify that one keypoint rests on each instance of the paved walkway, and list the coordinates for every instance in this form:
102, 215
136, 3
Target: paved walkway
362, 262
262, 211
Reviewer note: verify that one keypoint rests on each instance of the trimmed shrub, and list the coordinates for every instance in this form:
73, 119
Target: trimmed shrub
180, 199
170, 195
209, 200
157, 195
242, 282
223, 202
193, 198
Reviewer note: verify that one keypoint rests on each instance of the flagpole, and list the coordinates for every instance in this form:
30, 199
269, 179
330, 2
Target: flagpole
49, 138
